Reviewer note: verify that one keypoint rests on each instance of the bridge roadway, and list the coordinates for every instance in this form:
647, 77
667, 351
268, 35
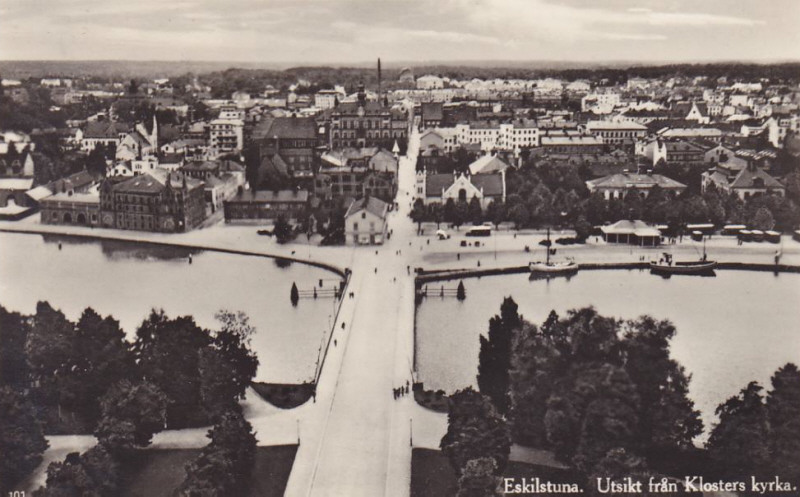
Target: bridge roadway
357, 440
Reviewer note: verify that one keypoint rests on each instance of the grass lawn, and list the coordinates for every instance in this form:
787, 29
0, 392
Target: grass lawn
432, 475
157, 473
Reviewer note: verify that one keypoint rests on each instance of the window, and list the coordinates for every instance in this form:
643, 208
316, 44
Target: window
363, 215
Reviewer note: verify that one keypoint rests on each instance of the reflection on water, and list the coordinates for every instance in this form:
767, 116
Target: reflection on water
737, 327
127, 280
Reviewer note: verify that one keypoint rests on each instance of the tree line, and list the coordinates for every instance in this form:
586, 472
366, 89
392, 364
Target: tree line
60, 376
556, 195
609, 400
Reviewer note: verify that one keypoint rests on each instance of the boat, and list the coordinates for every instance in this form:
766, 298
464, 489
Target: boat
666, 266
548, 268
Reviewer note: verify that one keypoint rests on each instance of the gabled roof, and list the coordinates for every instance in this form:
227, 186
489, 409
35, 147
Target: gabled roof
371, 204
488, 164
626, 180
285, 128
155, 180
750, 176
104, 129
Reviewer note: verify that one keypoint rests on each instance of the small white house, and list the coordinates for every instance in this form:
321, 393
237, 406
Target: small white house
365, 221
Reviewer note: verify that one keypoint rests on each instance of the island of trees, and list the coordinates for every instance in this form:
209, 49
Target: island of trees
84, 377
606, 397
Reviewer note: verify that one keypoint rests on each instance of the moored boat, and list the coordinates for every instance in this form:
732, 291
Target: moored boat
667, 266
548, 268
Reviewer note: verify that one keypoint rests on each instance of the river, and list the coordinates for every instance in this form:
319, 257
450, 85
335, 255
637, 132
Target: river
127, 279
731, 329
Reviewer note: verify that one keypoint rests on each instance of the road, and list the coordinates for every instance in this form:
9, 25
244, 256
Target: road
359, 443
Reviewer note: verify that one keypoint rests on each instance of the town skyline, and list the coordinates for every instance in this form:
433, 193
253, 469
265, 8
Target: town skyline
355, 32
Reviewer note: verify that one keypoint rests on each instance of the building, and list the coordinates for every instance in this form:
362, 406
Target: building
429, 82
70, 208
326, 99
365, 221
632, 233
287, 145
96, 132
621, 134
255, 207
16, 160
488, 164
439, 188
366, 123
617, 186
570, 143
747, 182
159, 201
431, 115
226, 136
442, 139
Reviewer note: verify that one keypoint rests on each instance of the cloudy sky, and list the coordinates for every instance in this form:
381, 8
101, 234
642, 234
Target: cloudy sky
347, 31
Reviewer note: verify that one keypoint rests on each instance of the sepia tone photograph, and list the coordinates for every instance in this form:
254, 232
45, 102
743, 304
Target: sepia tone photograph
399, 248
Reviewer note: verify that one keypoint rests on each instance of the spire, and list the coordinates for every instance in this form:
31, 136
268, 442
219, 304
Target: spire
380, 93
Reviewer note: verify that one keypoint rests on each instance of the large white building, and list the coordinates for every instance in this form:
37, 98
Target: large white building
617, 132
429, 82
226, 136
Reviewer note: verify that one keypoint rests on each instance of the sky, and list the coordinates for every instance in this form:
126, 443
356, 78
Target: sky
355, 31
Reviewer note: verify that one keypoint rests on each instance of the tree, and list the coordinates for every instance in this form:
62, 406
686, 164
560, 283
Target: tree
160, 349
762, 219
668, 420
283, 230
131, 414
739, 443
474, 211
294, 294
582, 229
228, 366
592, 410
419, 213
96, 161
13, 335
496, 212
479, 479
225, 465
103, 359
474, 429
783, 410
494, 358
22, 441
617, 465
93, 473
519, 215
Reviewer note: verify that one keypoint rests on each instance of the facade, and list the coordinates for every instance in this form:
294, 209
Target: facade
365, 221
617, 186
366, 124
158, 201
618, 134
439, 188
570, 143
96, 132
292, 141
260, 206
81, 209
226, 136
326, 99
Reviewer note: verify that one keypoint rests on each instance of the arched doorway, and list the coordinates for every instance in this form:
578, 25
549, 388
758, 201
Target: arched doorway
462, 195
67, 218
81, 218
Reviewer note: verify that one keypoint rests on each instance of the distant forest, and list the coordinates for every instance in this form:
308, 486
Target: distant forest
614, 72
